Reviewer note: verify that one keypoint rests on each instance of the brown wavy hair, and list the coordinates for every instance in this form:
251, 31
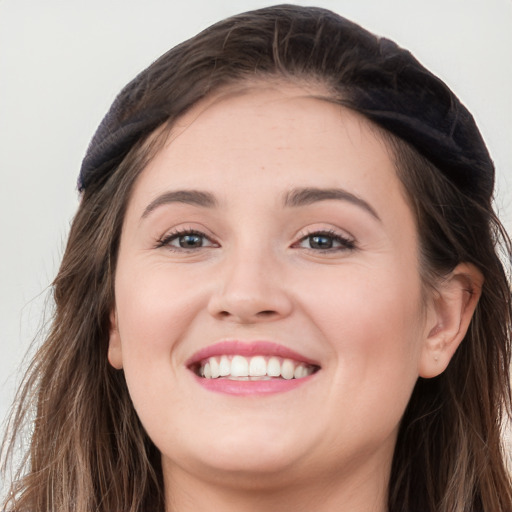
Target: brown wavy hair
87, 450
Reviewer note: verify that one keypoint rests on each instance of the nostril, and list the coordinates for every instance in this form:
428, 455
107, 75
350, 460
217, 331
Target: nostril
262, 314
267, 312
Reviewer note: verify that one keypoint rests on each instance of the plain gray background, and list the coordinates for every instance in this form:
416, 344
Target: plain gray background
63, 61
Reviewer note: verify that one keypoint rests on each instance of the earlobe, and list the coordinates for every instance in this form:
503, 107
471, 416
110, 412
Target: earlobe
448, 318
115, 356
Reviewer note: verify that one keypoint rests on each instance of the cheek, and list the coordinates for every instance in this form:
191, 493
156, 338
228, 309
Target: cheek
374, 327
154, 310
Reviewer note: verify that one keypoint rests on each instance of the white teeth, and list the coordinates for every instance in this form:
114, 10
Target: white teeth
287, 369
253, 368
207, 371
299, 372
274, 367
257, 366
224, 366
239, 367
214, 366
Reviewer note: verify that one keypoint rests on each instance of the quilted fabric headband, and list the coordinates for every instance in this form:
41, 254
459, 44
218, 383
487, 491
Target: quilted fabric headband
376, 77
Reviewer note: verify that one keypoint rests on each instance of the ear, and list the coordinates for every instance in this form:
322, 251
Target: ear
115, 355
449, 313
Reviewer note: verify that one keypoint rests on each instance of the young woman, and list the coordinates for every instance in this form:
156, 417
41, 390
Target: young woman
281, 291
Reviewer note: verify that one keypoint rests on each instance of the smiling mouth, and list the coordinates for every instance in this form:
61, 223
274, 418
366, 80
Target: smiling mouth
255, 368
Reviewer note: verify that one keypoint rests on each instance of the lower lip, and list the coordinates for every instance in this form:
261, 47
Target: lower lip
255, 387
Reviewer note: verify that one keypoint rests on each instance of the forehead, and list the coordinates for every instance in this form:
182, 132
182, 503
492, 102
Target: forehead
272, 136
271, 117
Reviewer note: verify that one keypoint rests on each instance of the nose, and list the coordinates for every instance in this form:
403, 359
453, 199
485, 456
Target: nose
250, 289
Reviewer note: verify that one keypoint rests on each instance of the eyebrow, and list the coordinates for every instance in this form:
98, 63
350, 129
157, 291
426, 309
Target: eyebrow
194, 197
305, 196
294, 198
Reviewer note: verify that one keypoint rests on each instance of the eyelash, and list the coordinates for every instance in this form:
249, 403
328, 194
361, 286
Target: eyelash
166, 240
345, 243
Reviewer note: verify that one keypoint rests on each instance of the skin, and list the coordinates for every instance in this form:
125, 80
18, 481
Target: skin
359, 309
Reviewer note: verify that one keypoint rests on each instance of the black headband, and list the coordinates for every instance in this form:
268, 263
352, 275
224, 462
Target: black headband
391, 88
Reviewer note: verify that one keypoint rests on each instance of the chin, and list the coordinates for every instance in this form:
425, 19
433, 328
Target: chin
248, 457
250, 471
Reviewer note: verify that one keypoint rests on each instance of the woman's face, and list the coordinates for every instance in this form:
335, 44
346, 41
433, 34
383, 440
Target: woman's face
269, 235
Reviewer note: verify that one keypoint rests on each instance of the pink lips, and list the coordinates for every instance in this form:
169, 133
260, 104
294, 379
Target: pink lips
248, 349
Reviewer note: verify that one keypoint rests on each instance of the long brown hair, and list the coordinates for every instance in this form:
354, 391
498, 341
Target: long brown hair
88, 450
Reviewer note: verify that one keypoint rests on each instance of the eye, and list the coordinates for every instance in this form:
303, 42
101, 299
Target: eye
186, 240
326, 241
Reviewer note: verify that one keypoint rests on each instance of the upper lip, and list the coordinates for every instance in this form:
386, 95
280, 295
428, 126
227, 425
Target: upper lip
248, 349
